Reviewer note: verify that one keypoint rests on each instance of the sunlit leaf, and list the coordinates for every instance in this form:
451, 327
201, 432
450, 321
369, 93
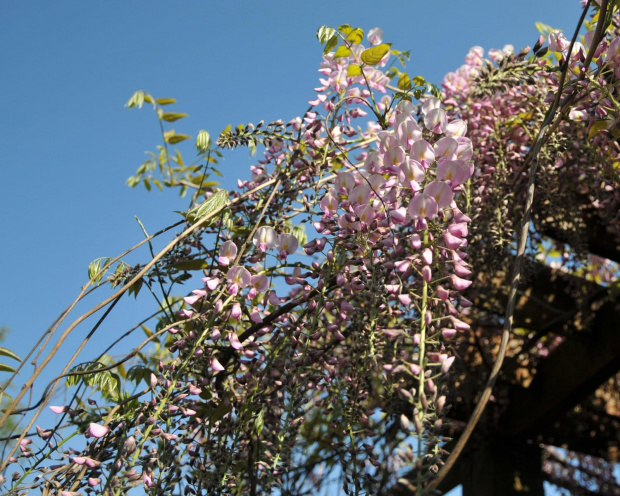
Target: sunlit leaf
354, 70
356, 36
8, 353
211, 204
345, 28
330, 45
342, 51
404, 82
177, 138
598, 126
172, 116
259, 422
324, 33
95, 272
374, 55
543, 28
136, 100
6, 368
165, 101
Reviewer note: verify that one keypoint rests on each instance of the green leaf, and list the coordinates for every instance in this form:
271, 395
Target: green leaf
95, 272
135, 288
299, 231
221, 410
165, 101
136, 100
345, 29
172, 116
404, 82
356, 36
543, 29
374, 55
139, 373
195, 264
354, 70
324, 33
6, 368
331, 44
177, 138
8, 353
419, 81
259, 422
434, 89
599, 126
342, 51
211, 204
146, 331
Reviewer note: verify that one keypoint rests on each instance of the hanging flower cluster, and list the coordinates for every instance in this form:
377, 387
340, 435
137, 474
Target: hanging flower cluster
321, 333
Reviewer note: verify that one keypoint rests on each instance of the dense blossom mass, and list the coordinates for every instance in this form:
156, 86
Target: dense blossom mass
328, 307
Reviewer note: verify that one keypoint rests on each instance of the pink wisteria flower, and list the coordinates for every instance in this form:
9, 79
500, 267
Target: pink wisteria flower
259, 283
375, 36
423, 206
329, 204
228, 252
286, 244
441, 192
557, 42
265, 238
454, 171
98, 430
238, 277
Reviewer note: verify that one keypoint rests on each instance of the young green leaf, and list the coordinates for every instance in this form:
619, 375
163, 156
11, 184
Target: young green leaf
356, 36
354, 70
342, 51
330, 45
404, 82
345, 29
8, 353
177, 138
324, 33
172, 116
213, 203
195, 264
95, 271
6, 368
374, 55
599, 126
136, 100
165, 101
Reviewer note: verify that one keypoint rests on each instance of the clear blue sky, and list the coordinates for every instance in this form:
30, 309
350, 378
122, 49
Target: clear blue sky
68, 144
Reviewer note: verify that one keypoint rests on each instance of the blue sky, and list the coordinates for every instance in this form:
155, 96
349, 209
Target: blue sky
68, 144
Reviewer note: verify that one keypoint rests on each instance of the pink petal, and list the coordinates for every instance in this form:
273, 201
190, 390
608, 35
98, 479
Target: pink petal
234, 341
97, 430
458, 283
216, 365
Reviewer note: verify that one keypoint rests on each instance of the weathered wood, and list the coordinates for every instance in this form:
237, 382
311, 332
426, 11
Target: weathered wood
499, 468
575, 369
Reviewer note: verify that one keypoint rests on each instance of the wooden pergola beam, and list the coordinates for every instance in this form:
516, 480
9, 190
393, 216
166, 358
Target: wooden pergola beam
572, 371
